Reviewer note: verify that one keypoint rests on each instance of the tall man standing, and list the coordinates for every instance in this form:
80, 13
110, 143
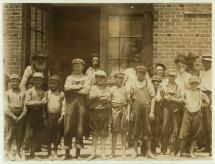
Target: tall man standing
206, 87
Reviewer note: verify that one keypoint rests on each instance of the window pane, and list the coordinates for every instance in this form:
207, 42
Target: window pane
44, 21
39, 41
32, 42
125, 26
113, 66
33, 11
137, 26
44, 42
114, 26
39, 19
136, 49
113, 48
125, 46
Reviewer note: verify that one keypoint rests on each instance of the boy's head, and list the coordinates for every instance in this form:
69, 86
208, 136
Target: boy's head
38, 79
54, 83
78, 66
95, 60
141, 72
171, 75
206, 61
14, 81
180, 62
194, 82
119, 78
190, 59
160, 69
156, 81
39, 60
100, 77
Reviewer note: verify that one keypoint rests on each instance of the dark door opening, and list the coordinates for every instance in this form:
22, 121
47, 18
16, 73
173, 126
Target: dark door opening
76, 33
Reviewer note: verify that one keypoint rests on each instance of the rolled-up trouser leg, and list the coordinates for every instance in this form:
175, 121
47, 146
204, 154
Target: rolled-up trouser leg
165, 130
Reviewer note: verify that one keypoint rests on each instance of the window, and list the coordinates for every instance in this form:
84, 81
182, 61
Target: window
125, 38
38, 33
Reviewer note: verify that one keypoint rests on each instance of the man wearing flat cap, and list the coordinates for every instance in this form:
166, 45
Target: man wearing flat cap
38, 64
190, 61
76, 89
206, 87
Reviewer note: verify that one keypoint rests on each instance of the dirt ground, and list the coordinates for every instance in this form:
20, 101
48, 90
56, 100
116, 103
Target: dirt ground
85, 153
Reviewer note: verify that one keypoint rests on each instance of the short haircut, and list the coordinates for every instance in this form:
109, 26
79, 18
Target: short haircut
161, 65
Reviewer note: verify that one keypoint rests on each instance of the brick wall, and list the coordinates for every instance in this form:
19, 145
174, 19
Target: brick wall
180, 28
12, 31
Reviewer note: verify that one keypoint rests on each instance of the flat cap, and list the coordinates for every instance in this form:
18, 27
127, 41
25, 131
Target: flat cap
207, 57
141, 68
156, 78
171, 72
191, 55
194, 79
100, 73
54, 77
119, 74
39, 54
38, 74
14, 76
78, 61
180, 58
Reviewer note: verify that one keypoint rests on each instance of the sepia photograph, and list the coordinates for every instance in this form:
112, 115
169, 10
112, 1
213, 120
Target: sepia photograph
107, 81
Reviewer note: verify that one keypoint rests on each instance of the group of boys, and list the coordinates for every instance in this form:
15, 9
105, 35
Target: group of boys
162, 112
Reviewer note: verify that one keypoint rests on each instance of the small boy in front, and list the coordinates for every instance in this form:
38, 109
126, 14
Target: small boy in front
55, 114
99, 112
35, 102
192, 119
142, 92
120, 102
14, 113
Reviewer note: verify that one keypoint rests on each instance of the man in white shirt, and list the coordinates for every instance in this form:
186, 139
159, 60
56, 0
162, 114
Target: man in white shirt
206, 87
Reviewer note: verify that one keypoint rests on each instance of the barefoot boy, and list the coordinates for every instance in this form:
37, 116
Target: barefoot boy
14, 113
192, 119
100, 98
120, 102
55, 113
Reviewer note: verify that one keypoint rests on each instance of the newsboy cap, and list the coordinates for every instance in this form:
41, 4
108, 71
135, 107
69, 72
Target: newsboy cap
100, 73
141, 68
119, 74
14, 76
78, 61
191, 56
171, 72
194, 79
156, 78
38, 74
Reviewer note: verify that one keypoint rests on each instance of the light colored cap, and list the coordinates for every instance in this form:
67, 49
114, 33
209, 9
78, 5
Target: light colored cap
14, 76
100, 73
207, 57
194, 79
78, 61
38, 74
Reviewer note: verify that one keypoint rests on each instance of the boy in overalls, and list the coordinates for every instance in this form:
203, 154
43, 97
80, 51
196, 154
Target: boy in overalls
14, 112
142, 92
35, 102
76, 89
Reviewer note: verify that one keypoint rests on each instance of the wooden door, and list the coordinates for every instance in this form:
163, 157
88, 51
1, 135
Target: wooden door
126, 37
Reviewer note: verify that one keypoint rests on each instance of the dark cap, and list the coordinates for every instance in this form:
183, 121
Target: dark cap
39, 54
180, 58
191, 56
141, 68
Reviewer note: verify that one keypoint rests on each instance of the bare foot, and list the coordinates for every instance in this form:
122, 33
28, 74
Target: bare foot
179, 154
150, 155
134, 155
103, 156
192, 155
91, 157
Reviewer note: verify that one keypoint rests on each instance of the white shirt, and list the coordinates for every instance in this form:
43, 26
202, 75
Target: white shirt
206, 80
